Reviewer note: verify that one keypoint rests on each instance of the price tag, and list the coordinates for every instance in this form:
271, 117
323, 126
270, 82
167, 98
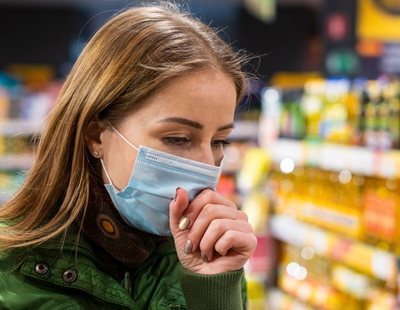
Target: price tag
383, 265
386, 165
333, 157
288, 149
361, 161
396, 162
312, 154
319, 241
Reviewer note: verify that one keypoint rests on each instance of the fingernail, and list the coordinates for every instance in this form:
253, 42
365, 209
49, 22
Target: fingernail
204, 258
176, 193
183, 223
188, 247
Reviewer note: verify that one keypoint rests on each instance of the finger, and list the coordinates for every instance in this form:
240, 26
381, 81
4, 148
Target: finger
177, 208
207, 196
216, 230
210, 196
208, 214
241, 242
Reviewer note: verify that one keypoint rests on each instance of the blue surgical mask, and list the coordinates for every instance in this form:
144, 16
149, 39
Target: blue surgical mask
144, 203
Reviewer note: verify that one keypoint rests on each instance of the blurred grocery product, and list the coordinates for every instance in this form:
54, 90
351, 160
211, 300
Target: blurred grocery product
336, 110
255, 166
330, 197
27, 94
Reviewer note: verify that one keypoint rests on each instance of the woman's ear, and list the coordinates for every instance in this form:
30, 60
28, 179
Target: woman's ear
92, 137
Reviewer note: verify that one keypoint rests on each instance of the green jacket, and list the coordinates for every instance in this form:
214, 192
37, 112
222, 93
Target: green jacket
47, 278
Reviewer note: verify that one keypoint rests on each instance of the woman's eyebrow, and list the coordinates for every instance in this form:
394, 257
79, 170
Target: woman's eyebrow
228, 126
183, 121
188, 122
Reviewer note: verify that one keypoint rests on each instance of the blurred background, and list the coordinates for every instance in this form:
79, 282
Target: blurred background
314, 158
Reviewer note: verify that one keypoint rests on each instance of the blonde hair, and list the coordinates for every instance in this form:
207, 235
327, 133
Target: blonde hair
128, 59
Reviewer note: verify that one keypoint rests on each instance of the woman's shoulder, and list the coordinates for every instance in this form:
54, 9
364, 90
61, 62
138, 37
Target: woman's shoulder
50, 270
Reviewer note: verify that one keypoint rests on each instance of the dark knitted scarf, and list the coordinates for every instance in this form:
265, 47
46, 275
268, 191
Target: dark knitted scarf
118, 245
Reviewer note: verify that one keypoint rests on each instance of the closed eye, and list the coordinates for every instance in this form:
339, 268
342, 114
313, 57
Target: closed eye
220, 143
176, 140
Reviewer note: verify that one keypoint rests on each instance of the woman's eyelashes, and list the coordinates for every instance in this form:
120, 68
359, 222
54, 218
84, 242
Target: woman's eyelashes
178, 141
220, 143
186, 141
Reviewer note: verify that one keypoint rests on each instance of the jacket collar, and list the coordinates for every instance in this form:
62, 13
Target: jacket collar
55, 261
74, 267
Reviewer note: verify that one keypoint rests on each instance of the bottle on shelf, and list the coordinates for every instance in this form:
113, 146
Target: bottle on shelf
341, 111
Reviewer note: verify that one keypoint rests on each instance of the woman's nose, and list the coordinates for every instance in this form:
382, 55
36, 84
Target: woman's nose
206, 155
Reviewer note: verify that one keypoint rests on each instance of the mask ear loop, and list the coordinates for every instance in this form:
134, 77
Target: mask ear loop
123, 138
105, 171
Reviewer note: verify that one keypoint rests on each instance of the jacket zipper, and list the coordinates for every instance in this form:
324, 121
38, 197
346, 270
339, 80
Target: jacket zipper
127, 283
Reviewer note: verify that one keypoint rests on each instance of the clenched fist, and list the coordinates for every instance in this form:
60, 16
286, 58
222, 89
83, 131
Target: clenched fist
211, 235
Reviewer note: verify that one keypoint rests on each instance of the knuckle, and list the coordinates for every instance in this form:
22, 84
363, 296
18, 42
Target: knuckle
218, 225
207, 194
202, 199
231, 204
204, 245
209, 209
254, 241
230, 236
247, 228
242, 216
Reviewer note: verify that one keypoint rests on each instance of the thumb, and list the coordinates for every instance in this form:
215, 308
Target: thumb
177, 208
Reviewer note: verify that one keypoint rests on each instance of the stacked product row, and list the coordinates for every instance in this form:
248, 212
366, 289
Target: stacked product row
342, 111
26, 97
330, 197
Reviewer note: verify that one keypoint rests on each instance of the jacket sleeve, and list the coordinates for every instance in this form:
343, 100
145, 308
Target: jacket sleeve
217, 292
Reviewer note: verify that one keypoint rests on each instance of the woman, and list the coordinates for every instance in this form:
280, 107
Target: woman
119, 209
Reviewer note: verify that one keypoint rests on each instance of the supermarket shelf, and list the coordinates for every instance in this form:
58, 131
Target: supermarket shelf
278, 299
244, 130
335, 157
16, 162
357, 255
20, 127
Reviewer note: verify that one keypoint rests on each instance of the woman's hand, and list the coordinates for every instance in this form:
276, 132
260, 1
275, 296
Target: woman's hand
211, 234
